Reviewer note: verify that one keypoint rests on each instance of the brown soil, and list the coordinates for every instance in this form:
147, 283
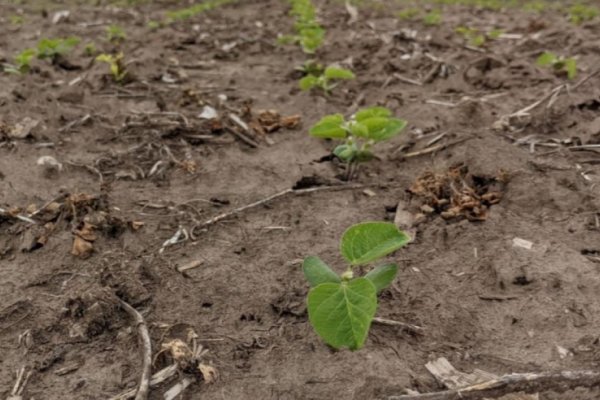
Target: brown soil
483, 301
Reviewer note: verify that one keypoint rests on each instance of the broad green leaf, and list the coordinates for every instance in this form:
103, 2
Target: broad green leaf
571, 68
341, 313
382, 276
329, 127
107, 58
311, 38
317, 272
546, 59
338, 73
358, 129
369, 241
372, 112
308, 82
345, 152
383, 128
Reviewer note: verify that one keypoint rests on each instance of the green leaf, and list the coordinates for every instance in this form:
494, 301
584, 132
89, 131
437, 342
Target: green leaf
338, 73
345, 152
372, 112
383, 128
358, 129
341, 313
382, 276
369, 241
308, 82
571, 68
329, 127
317, 272
546, 59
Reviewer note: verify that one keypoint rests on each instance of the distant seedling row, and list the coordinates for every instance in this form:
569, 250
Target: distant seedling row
575, 13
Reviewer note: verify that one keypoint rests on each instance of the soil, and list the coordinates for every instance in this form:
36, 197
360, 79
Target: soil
138, 164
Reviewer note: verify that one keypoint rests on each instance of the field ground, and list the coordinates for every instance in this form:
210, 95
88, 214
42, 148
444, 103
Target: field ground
514, 292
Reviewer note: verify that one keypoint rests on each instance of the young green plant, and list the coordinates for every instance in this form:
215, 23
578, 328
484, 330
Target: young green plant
359, 134
116, 65
51, 49
579, 13
309, 33
433, 18
22, 62
115, 34
325, 79
474, 37
560, 64
341, 307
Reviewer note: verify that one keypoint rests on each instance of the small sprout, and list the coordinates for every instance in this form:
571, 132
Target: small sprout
560, 64
536, 6
579, 13
323, 78
432, 18
341, 307
90, 49
495, 34
115, 34
475, 37
154, 25
366, 128
22, 62
53, 48
117, 67
408, 14
192, 11
309, 33
16, 19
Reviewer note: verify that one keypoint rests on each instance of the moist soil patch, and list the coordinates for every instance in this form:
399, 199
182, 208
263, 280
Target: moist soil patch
105, 189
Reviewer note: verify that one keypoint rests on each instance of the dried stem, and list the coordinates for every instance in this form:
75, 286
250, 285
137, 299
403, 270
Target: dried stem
268, 199
144, 385
528, 382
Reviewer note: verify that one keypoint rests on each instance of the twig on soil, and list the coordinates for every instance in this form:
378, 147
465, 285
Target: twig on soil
472, 48
17, 216
54, 200
551, 97
89, 168
15, 393
144, 385
407, 80
409, 327
527, 382
156, 380
177, 389
180, 236
433, 149
266, 200
190, 265
238, 121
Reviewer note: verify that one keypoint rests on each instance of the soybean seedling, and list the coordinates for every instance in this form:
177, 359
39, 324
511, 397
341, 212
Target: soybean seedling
22, 62
359, 134
309, 34
116, 65
579, 13
115, 34
560, 64
51, 49
90, 49
324, 79
341, 307
475, 37
432, 18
